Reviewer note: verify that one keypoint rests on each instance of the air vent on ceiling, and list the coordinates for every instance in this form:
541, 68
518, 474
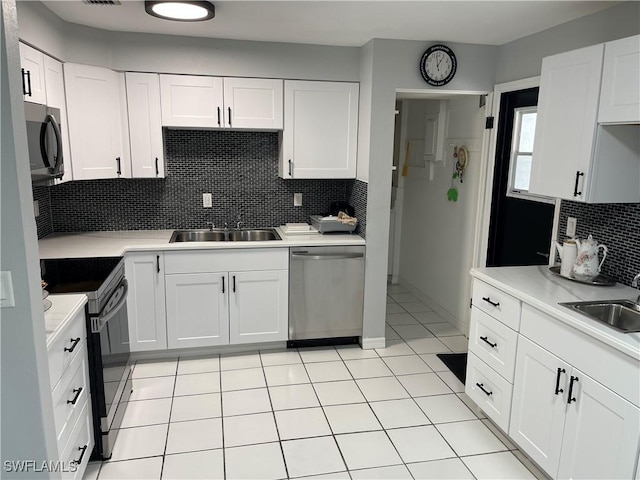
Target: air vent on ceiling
102, 2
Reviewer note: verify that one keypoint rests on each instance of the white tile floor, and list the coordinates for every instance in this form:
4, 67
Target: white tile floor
343, 412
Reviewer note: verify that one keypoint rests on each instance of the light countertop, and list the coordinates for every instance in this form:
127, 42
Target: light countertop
115, 244
63, 309
538, 287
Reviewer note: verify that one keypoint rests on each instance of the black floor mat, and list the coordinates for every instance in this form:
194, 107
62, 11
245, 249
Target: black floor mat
457, 363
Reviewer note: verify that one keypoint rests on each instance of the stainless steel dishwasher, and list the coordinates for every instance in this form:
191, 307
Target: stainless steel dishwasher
326, 294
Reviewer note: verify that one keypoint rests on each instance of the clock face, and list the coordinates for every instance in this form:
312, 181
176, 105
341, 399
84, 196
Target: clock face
438, 65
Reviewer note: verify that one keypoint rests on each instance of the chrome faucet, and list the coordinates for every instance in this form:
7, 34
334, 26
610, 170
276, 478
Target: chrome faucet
239, 222
635, 284
211, 226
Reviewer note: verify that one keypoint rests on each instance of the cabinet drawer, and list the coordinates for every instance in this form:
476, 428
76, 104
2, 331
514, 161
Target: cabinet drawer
495, 400
496, 303
72, 387
493, 342
79, 446
64, 350
207, 261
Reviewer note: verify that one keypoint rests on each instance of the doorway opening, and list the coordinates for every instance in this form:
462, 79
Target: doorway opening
431, 244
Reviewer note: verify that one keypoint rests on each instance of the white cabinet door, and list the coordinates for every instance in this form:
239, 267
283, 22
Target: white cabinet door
601, 433
97, 122
191, 101
320, 130
33, 81
146, 301
620, 92
253, 103
54, 79
537, 411
259, 306
145, 125
197, 310
566, 123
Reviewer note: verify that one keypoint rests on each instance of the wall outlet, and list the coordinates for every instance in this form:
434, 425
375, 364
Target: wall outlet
36, 208
206, 200
297, 199
571, 226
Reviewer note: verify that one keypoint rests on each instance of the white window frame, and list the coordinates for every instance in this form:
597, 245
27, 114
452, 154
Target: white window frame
515, 151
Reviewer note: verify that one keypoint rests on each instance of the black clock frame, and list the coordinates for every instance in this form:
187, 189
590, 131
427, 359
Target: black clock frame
454, 65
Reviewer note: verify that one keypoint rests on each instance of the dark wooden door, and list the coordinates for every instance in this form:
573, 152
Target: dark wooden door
520, 230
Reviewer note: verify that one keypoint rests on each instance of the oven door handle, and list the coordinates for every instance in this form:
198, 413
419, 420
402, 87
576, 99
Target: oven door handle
99, 321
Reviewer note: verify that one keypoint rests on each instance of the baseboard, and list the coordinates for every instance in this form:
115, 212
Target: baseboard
204, 351
435, 306
371, 343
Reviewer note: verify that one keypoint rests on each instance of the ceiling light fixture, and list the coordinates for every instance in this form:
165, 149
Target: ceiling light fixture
182, 11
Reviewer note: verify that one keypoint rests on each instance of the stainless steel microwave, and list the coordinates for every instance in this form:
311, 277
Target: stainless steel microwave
44, 141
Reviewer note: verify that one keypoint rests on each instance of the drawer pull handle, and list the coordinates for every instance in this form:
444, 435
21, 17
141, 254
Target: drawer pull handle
571, 397
486, 340
488, 300
223, 284
558, 389
83, 450
77, 392
74, 343
576, 193
481, 387
234, 284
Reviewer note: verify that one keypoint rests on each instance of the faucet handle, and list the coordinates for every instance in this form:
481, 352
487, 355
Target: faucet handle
211, 225
634, 282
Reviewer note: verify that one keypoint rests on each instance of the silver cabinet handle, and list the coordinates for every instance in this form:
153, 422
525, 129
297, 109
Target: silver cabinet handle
326, 256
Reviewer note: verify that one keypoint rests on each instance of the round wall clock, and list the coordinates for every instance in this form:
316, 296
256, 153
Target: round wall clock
438, 65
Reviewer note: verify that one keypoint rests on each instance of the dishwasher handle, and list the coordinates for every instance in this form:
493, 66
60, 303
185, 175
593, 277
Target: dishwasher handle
325, 256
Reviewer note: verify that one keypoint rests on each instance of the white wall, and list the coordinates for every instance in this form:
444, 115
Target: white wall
523, 58
437, 235
25, 404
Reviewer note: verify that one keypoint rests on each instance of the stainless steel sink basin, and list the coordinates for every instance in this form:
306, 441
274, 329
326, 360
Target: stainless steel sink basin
249, 235
623, 315
256, 235
197, 236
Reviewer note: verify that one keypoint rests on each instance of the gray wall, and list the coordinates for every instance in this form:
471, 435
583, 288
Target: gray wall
26, 407
522, 58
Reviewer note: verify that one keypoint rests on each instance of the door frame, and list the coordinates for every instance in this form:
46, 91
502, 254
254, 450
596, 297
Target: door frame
483, 214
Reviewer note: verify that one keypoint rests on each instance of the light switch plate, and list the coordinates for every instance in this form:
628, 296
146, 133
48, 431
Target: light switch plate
206, 200
297, 199
571, 226
6, 290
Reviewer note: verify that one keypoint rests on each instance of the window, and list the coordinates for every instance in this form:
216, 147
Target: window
524, 127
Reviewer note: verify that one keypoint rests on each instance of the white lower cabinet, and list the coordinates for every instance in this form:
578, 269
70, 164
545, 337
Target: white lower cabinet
259, 308
146, 301
197, 310
571, 425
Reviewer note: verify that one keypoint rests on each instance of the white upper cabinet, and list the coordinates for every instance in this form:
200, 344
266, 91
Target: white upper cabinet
620, 93
574, 158
145, 125
33, 82
320, 130
214, 102
253, 103
191, 101
54, 80
98, 128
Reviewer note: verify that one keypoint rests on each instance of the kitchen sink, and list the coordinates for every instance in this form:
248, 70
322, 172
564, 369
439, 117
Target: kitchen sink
248, 235
623, 315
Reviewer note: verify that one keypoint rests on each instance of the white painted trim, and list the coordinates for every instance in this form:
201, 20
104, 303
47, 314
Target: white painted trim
371, 343
399, 204
554, 233
488, 165
214, 350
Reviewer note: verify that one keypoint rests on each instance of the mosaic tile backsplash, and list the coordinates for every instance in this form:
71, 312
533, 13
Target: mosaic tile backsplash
240, 169
44, 221
615, 225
